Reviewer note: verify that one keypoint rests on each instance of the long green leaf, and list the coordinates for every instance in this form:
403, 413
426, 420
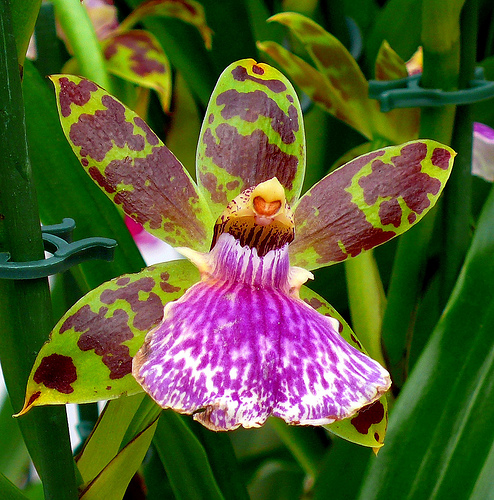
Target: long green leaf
8, 491
184, 459
447, 401
112, 483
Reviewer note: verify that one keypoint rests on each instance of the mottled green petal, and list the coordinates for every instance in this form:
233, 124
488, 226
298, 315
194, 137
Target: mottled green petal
138, 57
89, 354
131, 165
368, 426
349, 88
316, 86
399, 124
188, 11
252, 131
389, 65
368, 201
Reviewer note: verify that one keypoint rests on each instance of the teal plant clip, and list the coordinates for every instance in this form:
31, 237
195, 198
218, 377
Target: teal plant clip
407, 93
57, 240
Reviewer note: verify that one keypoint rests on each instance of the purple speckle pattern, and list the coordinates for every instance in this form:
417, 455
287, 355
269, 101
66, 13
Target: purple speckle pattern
241, 345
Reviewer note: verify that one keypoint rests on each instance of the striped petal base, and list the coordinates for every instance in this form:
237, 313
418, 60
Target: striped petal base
241, 345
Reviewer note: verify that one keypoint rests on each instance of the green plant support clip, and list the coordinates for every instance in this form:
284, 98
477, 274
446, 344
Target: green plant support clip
57, 240
407, 93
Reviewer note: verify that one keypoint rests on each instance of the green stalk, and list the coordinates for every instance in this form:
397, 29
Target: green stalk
80, 33
441, 45
458, 192
367, 302
302, 443
25, 308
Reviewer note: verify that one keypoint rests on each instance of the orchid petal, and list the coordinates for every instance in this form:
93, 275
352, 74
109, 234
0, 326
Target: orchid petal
389, 65
252, 131
241, 345
138, 57
483, 152
188, 11
129, 162
368, 426
89, 354
316, 86
349, 88
368, 201
403, 122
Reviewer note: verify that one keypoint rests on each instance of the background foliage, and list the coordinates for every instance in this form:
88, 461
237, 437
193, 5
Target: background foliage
435, 323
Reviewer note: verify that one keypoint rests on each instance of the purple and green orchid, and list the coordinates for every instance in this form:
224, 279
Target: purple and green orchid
233, 336
135, 55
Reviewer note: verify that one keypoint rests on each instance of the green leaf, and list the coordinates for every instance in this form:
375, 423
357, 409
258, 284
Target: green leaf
186, 10
252, 131
89, 354
447, 400
130, 163
136, 56
14, 457
368, 426
112, 482
8, 491
106, 439
24, 14
184, 459
368, 201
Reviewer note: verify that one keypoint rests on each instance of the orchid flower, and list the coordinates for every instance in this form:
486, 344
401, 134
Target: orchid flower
235, 336
336, 83
483, 152
136, 55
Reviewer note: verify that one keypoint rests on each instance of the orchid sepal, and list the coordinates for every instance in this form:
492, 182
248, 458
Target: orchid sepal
368, 201
131, 164
89, 354
252, 131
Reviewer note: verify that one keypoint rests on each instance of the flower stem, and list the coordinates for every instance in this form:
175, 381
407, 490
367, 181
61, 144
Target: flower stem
458, 191
367, 302
441, 45
80, 33
25, 308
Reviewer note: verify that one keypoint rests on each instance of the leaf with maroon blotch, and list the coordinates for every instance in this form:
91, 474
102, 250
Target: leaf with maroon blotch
89, 354
138, 57
368, 201
368, 426
252, 131
188, 11
131, 165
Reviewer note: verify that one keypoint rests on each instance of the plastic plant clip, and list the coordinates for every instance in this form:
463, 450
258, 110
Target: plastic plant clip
57, 240
407, 93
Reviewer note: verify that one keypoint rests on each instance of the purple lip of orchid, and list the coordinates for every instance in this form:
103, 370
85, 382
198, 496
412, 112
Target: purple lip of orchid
241, 345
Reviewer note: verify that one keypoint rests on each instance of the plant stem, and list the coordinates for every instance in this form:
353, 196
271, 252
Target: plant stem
441, 45
80, 33
367, 302
458, 192
25, 308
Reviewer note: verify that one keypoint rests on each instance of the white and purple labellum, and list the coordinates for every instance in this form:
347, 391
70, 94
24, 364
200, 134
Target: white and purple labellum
241, 345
